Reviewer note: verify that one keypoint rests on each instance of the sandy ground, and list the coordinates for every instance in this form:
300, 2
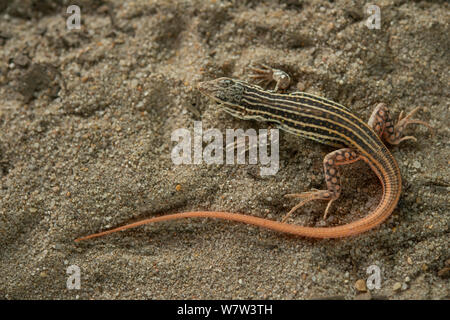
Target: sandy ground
86, 118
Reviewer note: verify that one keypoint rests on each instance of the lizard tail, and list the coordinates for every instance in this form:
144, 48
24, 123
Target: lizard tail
309, 232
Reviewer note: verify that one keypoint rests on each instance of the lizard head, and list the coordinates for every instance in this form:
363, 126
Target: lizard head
223, 90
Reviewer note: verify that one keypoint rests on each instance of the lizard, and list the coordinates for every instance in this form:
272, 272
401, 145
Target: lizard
312, 117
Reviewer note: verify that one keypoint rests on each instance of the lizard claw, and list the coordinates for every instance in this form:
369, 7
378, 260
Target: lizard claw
402, 122
307, 197
263, 74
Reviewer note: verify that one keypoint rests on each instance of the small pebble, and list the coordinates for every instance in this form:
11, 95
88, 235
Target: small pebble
444, 272
21, 60
360, 285
397, 286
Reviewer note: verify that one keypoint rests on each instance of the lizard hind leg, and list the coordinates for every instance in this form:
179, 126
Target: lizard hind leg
332, 178
381, 122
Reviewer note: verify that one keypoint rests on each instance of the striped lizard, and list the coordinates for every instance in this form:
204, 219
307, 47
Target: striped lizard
319, 119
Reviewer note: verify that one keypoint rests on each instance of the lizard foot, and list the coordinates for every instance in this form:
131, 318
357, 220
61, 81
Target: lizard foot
264, 75
309, 196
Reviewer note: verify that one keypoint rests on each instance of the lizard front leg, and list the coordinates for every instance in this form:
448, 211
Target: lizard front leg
264, 75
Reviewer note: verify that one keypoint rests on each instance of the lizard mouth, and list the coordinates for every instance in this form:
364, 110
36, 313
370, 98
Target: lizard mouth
211, 89
205, 87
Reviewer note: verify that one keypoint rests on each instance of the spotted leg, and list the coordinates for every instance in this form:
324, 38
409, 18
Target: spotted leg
264, 75
332, 178
382, 124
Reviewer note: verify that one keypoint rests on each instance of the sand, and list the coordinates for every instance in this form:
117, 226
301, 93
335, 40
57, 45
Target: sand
86, 118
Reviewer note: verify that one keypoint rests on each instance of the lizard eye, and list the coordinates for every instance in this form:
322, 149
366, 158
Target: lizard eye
226, 82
